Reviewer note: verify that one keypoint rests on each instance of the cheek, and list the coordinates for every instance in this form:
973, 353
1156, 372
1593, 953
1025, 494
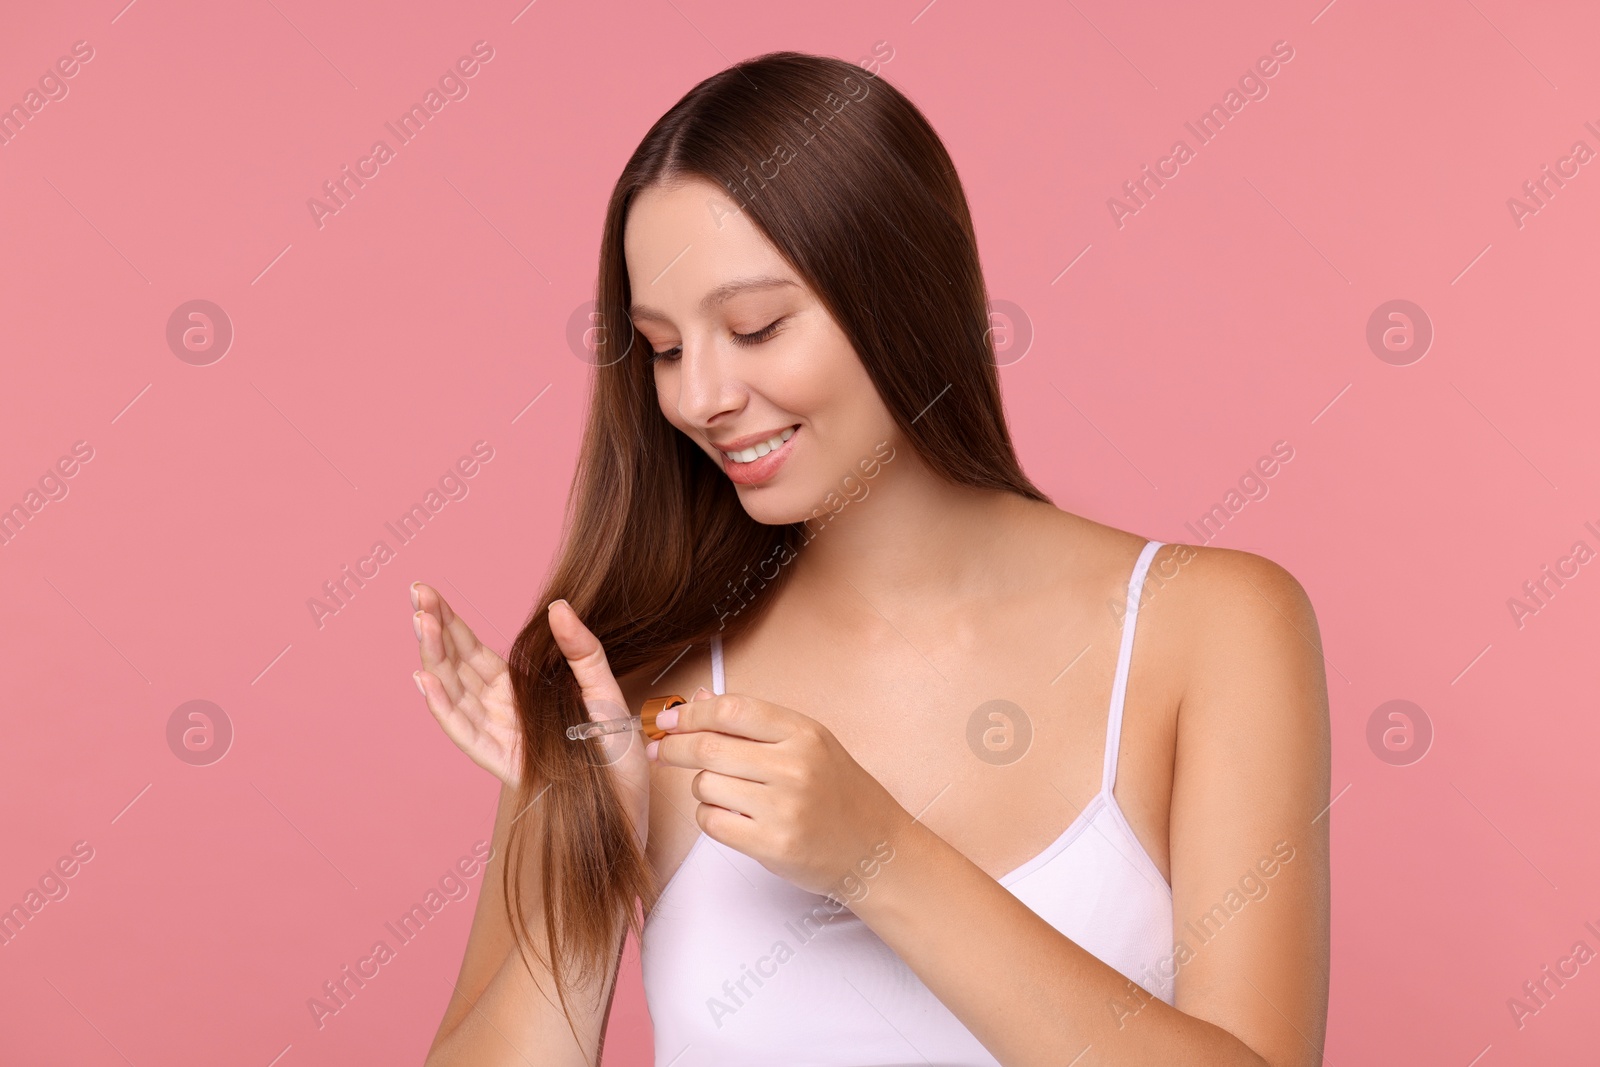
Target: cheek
822, 383
846, 416
666, 384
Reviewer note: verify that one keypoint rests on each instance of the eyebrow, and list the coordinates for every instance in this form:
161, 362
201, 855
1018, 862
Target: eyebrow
720, 295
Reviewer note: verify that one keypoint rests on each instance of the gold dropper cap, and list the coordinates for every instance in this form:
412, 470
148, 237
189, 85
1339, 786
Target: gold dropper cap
653, 707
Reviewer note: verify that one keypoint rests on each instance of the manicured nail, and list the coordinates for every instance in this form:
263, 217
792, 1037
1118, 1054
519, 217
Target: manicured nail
416, 599
416, 676
667, 719
702, 694
416, 624
650, 749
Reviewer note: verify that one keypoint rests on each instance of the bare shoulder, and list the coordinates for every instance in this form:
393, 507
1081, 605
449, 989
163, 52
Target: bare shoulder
1250, 787
1216, 620
1203, 611
1254, 692
1231, 585
1236, 609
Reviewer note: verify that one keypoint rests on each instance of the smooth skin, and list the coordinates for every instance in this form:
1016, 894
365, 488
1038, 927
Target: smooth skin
845, 722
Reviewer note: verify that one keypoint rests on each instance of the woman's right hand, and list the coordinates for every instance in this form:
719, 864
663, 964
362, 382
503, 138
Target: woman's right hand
468, 690
467, 687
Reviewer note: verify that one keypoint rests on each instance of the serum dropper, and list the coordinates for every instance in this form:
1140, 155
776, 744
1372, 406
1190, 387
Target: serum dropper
645, 721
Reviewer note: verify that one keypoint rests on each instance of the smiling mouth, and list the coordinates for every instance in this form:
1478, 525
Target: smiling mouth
760, 448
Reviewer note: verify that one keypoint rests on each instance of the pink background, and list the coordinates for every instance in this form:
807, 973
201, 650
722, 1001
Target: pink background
370, 354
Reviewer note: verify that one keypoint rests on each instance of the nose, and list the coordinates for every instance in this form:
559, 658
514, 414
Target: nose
705, 390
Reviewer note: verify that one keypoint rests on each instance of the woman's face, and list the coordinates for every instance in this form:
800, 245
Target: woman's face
745, 353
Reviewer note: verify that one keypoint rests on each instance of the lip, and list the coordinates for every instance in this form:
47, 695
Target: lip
763, 468
739, 444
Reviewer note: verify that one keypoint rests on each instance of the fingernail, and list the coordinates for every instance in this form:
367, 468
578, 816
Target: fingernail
416, 599
667, 719
416, 624
553, 603
650, 749
702, 694
416, 676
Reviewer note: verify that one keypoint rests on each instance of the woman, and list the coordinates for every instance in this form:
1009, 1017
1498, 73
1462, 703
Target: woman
931, 802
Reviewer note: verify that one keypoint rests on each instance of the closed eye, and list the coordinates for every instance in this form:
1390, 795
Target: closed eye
763, 334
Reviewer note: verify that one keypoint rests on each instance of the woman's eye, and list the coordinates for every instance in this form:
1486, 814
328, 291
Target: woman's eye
760, 335
763, 334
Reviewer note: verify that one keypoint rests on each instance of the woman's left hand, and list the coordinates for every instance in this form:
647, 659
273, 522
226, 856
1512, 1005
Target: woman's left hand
778, 786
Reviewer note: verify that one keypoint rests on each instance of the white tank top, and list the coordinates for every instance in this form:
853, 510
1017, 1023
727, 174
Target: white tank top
742, 967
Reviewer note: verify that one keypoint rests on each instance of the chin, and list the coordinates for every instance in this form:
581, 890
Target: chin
771, 506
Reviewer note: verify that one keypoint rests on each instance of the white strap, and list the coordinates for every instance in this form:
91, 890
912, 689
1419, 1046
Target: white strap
1119, 686
718, 683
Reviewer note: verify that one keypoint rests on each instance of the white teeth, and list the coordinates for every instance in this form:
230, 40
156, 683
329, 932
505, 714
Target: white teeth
761, 448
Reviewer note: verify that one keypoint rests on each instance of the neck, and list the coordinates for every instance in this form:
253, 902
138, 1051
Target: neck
913, 543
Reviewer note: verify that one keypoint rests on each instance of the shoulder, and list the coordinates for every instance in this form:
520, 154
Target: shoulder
1249, 646
1207, 610
1251, 780
1223, 594
1202, 594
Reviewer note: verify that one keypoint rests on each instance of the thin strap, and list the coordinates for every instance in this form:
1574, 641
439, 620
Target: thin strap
718, 683
1119, 687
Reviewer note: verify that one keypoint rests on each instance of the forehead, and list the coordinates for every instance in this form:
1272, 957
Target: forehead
687, 244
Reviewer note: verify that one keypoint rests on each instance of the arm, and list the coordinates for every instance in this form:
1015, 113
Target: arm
503, 1007
497, 1014
1252, 771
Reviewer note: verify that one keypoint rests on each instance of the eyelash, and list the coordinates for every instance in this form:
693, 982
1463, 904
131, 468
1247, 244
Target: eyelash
763, 334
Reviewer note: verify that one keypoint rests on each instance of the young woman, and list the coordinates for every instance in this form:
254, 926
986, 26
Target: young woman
932, 801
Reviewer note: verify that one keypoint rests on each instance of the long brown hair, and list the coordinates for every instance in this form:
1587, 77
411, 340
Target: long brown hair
850, 183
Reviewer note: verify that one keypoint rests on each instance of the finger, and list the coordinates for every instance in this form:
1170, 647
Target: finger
738, 715
430, 646
485, 662
727, 827
474, 673
465, 728
441, 656
584, 654
457, 725
426, 598
735, 794
723, 753
461, 644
